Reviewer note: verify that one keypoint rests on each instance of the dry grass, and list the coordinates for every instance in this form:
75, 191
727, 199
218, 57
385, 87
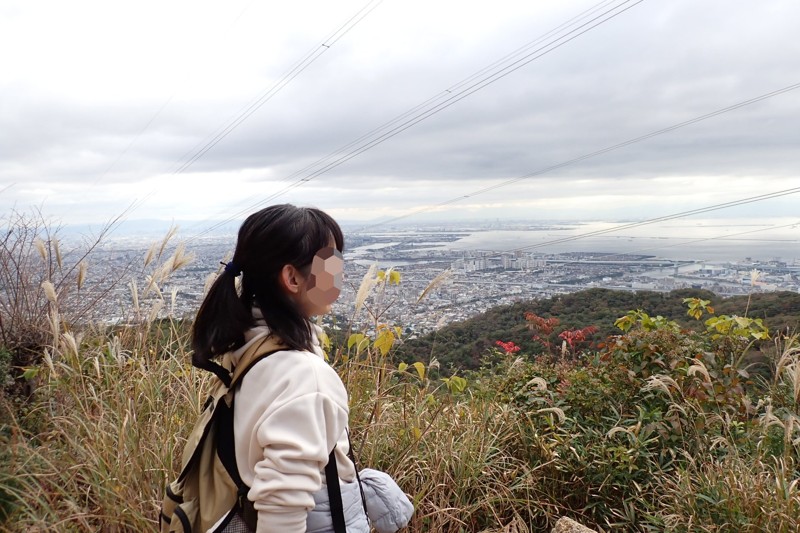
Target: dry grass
111, 416
109, 431
95, 446
461, 458
732, 495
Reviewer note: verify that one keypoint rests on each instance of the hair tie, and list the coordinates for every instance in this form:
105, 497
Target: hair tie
231, 268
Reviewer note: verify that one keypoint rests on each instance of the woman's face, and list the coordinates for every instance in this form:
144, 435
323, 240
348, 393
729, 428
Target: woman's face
323, 283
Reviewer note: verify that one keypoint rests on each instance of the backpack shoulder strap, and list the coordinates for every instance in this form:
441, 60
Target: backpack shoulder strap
217, 369
225, 439
335, 494
259, 350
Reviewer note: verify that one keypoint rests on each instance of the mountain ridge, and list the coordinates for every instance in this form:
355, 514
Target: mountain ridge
462, 345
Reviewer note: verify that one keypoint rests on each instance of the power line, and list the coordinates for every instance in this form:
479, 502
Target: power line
444, 94
295, 71
454, 98
251, 108
682, 214
428, 112
726, 237
134, 140
159, 111
588, 156
449, 91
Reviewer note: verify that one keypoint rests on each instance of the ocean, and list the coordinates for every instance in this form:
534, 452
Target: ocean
709, 240
714, 240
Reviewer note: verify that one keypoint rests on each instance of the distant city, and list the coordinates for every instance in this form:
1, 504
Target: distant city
470, 280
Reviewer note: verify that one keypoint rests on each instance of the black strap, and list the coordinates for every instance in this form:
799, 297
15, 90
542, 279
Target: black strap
250, 365
335, 494
249, 514
226, 447
220, 371
358, 478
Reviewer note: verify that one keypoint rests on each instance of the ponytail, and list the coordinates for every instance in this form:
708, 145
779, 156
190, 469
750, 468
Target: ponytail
220, 322
268, 240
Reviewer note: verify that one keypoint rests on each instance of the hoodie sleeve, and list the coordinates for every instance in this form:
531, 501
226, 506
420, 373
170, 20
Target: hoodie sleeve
293, 408
296, 439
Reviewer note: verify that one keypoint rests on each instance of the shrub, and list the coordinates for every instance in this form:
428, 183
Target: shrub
657, 405
655, 430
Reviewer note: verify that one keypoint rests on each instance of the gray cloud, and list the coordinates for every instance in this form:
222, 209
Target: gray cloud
656, 65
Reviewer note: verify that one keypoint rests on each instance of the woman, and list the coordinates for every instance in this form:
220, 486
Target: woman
292, 407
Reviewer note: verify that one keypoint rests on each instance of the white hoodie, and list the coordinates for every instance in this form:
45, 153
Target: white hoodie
290, 411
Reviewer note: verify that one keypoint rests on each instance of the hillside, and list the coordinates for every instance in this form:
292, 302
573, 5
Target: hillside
663, 430
461, 345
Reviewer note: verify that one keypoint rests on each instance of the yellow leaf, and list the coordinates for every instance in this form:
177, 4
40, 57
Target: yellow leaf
355, 338
417, 432
402, 367
384, 342
325, 341
394, 277
420, 369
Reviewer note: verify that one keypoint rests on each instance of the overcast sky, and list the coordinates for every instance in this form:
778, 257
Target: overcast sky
101, 102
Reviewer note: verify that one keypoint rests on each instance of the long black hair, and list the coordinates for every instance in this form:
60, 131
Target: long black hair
268, 240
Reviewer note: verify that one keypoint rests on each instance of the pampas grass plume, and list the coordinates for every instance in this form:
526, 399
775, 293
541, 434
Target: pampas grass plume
41, 247
50, 292
57, 249
367, 284
82, 268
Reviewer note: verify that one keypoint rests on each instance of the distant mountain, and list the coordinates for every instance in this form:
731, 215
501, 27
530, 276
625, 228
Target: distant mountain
152, 228
462, 345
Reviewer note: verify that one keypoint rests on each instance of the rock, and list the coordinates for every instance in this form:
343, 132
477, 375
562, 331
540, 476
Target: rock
565, 525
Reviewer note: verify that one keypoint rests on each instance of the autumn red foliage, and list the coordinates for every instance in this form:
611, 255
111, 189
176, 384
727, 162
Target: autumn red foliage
509, 347
543, 328
541, 325
575, 337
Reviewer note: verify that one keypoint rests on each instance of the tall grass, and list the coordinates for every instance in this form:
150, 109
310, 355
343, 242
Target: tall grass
109, 425
90, 444
462, 458
734, 494
508, 448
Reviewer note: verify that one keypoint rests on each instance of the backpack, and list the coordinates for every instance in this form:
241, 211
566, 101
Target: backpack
209, 493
